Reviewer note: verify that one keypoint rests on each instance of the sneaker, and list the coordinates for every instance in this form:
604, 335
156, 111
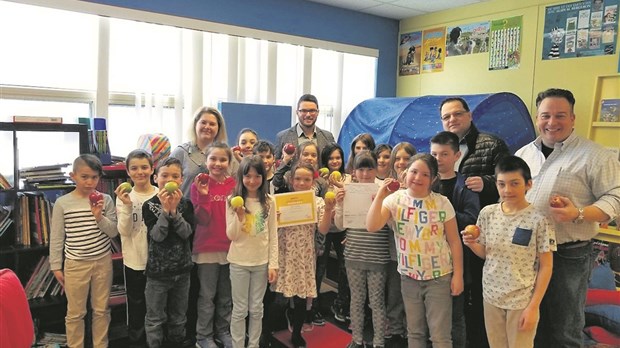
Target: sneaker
317, 318
355, 345
224, 339
338, 313
206, 343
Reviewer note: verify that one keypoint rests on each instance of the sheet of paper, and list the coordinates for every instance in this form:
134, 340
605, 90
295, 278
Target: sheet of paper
357, 200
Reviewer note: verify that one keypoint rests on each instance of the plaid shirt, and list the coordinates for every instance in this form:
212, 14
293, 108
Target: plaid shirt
579, 169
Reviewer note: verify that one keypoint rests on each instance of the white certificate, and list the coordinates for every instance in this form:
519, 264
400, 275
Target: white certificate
296, 208
356, 204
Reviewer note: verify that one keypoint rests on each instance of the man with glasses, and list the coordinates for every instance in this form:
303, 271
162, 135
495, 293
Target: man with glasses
480, 153
305, 130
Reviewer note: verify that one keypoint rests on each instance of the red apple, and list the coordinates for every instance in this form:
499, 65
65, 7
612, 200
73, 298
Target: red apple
394, 186
289, 149
472, 230
556, 202
203, 178
95, 197
236, 148
316, 174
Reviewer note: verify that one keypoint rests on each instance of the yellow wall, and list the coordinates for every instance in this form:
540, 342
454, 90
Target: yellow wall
469, 74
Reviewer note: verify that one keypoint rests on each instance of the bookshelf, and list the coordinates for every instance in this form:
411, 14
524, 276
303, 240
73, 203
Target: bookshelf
24, 243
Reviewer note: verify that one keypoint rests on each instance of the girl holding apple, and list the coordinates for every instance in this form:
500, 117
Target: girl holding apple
210, 248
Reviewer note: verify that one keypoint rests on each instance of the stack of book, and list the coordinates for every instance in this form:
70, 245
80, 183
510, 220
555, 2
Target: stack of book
5, 219
4, 183
45, 176
42, 281
35, 219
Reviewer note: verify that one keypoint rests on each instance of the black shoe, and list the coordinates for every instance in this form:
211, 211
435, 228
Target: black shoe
265, 340
339, 314
317, 318
355, 345
298, 341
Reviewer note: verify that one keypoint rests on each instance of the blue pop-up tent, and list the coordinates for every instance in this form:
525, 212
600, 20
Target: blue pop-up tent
416, 120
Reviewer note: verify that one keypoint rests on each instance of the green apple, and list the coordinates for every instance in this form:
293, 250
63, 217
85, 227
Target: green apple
171, 186
125, 187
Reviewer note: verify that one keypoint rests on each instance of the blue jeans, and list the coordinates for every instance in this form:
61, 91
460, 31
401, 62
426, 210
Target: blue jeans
248, 285
163, 294
214, 300
428, 306
562, 316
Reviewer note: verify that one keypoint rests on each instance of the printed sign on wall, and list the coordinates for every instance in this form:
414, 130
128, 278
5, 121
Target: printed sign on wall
505, 46
467, 39
433, 49
580, 29
409, 53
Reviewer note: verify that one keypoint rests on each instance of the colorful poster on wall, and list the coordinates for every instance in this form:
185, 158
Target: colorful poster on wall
467, 39
409, 53
580, 29
433, 49
505, 43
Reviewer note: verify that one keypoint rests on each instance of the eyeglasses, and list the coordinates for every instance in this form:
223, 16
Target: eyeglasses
456, 114
308, 111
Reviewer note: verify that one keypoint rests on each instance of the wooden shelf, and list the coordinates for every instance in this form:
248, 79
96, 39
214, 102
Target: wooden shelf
606, 124
608, 235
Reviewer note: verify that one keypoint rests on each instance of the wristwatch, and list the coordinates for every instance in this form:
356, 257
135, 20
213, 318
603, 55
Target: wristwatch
579, 218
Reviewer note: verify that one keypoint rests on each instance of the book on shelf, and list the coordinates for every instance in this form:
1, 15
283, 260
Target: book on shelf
37, 119
46, 167
4, 183
35, 211
5, 218
610, 110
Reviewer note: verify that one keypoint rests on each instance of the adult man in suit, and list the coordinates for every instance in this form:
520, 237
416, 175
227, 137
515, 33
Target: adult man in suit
480, 153
305, 129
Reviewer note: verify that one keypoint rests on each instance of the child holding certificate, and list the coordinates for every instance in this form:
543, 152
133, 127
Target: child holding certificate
366, 257
296, 253
253, 253
428, 245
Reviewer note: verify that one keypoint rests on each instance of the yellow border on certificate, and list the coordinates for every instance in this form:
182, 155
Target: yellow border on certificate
296, 198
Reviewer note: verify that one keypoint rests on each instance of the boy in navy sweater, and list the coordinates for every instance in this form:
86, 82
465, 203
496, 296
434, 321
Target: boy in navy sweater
169, 219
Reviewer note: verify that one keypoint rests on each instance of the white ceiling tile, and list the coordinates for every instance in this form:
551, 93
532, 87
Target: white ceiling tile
391, 11
397, 9
434, 5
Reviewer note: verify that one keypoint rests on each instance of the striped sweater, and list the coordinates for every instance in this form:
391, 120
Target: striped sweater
364, 250
75, 233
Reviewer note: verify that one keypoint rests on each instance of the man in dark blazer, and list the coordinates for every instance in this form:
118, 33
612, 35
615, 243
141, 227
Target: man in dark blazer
305, 130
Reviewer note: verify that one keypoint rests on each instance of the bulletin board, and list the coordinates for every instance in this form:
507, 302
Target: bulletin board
266, 120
